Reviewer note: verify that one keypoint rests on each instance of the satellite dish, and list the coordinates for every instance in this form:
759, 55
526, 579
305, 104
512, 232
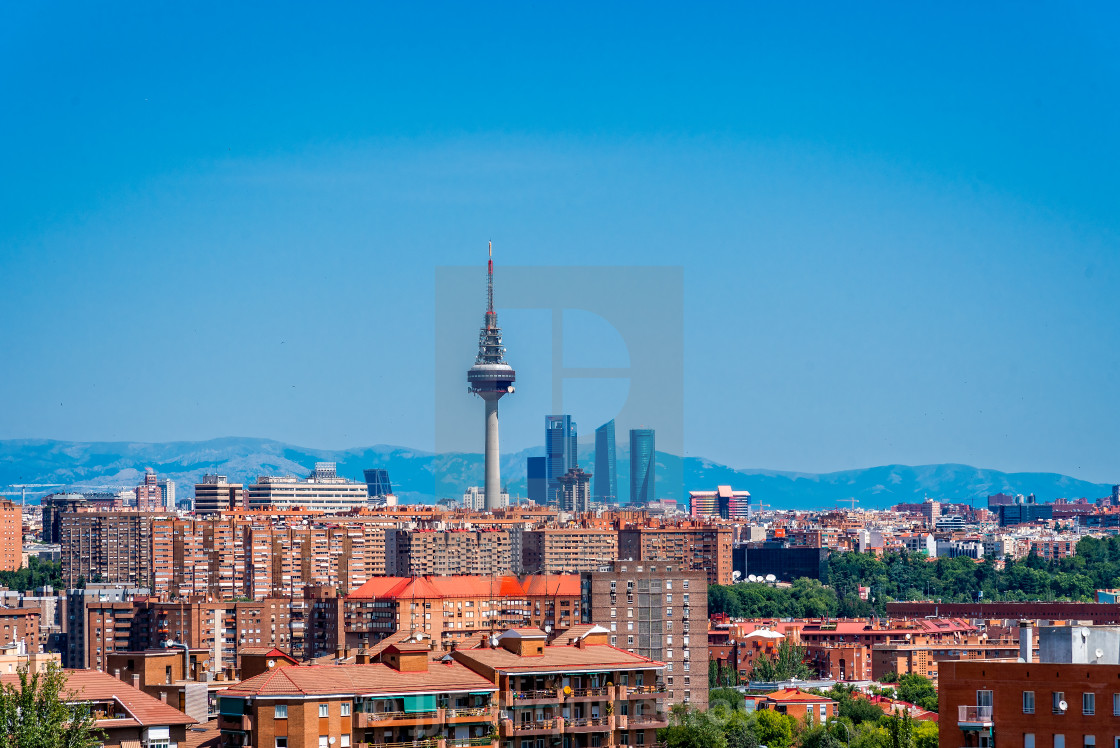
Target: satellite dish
908, 637
568, 691
331, 741
1062, 705
1100, 653
493, 641
736, 574
751, 577
771, 578
272, 663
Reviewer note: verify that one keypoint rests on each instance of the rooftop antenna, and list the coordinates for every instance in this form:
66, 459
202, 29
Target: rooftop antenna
490, 317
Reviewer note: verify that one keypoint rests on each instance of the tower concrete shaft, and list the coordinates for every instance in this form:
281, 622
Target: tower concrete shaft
490, 378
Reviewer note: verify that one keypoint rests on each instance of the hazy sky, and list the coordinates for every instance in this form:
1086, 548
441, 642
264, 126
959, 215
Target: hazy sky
898, 225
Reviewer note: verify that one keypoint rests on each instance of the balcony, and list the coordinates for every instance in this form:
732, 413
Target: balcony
391, 719
974, 717
473, 714
648, 721
588, 724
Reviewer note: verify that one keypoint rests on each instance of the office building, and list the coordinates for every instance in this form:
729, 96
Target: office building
658, 611
536, 472
643, 466
575, 491
784, 562
215, 494
724, 503
323, 491
491, 378
167, 488
377, 483
606, 475
560, 453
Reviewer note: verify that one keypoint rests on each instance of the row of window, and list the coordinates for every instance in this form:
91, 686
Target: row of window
324, 710
1058, 704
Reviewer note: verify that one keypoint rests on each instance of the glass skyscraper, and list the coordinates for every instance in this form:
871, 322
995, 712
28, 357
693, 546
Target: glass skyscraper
643, 465
605, 477
560, 453
377, 482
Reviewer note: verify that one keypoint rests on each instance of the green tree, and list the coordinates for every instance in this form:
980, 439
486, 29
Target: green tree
730, 696
918, 689
740, 731
925, 734
900, 727
40, 713
788, 663
774, 730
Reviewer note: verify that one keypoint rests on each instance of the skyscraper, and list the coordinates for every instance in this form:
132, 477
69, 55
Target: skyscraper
643, 465
377, 482
560, 452
536, 475
606, 478
575, 487
490, 378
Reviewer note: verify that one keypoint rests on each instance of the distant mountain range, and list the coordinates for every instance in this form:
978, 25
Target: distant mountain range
424, 477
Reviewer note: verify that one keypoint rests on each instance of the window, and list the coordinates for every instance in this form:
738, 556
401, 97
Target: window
1059, 741
345, 707
668, 598
684, 583
1028, 740
668, 584
324, 741
1090, 741
1028, 702
1057, 705
1116, 705
324, 710
281, 711
1088, 703
344, 741
281, 743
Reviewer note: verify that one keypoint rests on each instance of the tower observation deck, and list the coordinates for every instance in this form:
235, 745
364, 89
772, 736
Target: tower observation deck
490, 378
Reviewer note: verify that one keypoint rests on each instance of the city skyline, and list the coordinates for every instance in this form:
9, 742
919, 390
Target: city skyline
902, 256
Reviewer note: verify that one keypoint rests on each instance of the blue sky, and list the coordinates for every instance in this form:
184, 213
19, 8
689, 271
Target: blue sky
898, 226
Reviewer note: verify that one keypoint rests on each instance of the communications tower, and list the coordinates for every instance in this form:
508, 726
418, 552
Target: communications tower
490, 378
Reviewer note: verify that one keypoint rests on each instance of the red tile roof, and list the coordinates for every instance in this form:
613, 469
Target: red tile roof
796, 696
561, 659
377, 678
142, 709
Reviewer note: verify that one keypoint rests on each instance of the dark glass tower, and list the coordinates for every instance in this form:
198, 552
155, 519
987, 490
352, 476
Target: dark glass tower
560, 453
606, 478
377, 482
643, 465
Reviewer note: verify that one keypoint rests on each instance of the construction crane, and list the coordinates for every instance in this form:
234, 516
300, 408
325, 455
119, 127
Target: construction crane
751, 508
851, 503
24, 486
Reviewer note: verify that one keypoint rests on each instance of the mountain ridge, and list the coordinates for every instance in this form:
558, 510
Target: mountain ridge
421, 476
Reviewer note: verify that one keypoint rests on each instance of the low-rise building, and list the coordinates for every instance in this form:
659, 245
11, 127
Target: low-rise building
407, 698
588, 693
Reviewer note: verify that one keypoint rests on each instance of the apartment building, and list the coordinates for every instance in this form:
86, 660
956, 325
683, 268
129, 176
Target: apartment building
126, 716
454, 609
448, 553
406, 699
567, 550
113, 547
11, 536
1070, 696
689, 545
660, 612
584, 694
21, 625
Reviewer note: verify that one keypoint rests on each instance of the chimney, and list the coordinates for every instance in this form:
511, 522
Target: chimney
136, 680
117, 673
1026, 641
